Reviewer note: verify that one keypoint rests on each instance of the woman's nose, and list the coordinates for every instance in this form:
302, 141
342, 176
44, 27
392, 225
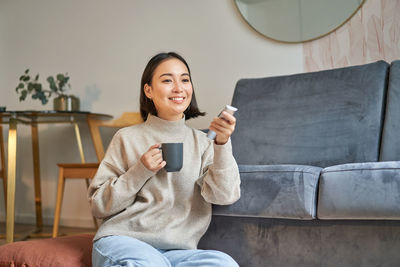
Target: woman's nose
178, 87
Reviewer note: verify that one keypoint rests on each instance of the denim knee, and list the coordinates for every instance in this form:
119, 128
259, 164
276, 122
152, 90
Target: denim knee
198, 257
126, 251
222, 259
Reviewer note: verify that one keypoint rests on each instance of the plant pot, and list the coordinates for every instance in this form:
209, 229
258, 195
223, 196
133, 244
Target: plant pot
66, 103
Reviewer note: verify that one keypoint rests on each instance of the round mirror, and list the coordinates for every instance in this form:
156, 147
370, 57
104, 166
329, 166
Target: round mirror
296, 21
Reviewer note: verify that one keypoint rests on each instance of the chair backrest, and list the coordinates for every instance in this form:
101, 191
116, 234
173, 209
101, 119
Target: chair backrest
125, 120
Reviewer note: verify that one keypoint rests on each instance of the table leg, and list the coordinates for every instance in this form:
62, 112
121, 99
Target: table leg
36, 173
12, 159
3, 166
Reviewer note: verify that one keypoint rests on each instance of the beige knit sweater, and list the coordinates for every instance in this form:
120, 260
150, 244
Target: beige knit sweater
168, 210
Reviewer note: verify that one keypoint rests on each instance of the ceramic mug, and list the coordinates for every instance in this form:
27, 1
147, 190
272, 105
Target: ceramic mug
173, 154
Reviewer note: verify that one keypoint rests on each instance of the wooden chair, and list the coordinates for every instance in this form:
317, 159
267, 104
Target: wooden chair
88, 170
3, 166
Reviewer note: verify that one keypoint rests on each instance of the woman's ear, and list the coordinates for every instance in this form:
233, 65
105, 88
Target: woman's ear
147, 91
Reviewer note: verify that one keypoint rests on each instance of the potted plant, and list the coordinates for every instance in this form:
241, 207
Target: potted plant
57, 86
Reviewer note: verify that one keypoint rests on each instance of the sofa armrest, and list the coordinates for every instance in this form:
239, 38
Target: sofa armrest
275, 191
365, 191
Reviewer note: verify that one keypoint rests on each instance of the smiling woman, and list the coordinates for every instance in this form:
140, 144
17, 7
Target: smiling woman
296, 21
153, 214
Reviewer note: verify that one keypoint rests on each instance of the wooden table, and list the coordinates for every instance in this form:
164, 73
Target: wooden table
34, 118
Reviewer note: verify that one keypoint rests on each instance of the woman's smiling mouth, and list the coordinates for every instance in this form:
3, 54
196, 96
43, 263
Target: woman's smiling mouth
177, 99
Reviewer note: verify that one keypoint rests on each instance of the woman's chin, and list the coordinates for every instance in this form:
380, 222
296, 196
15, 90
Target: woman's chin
179, 110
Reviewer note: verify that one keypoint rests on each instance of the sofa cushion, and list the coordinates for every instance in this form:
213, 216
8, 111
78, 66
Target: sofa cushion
280, 191
360, 191
61, 251
320, 119
390, 149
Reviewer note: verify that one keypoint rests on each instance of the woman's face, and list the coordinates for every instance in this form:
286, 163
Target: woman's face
170, 90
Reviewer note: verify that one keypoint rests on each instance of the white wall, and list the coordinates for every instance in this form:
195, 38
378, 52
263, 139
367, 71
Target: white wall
104, 46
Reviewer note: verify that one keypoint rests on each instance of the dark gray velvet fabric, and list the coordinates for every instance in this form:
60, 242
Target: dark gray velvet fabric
360, 191
275, 191
286, 125
390, 149
260, 242
319, 119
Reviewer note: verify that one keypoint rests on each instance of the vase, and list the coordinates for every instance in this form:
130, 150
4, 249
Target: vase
66, 103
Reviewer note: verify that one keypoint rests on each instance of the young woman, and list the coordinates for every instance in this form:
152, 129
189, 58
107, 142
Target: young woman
152, 217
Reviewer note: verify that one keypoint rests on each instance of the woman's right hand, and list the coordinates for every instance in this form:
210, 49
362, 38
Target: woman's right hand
152, 159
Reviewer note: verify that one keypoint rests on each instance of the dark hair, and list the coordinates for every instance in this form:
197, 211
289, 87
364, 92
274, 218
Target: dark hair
146, 105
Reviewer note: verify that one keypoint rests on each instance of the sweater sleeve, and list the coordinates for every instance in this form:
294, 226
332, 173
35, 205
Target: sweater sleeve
116, 184
220, 179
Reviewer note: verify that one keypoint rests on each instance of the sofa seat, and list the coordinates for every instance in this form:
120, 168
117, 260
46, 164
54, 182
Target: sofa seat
366, 191
275, 191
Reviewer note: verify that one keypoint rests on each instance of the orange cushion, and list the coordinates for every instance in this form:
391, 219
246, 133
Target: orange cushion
61, 251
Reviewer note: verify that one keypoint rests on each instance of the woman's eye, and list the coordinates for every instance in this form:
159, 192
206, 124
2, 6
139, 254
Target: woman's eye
166, 81
185, 80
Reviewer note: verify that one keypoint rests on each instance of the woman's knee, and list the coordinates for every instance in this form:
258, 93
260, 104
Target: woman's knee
194, 258
126, 251
221, 258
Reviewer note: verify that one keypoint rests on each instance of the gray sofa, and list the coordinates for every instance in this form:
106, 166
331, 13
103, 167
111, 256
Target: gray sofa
319, 157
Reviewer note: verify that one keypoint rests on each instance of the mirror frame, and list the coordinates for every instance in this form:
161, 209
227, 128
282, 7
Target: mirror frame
302, 41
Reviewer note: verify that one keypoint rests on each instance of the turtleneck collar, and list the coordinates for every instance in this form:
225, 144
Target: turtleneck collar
174, 128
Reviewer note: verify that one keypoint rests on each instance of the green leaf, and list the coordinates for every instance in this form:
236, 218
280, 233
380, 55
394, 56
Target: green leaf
20, 86
36, 95
22, 77
37, 87
53, 87
24, 93
30, 87
61, 85
43, 98
60, 77
52, 82
26, 71
44, 101
27, 78
50, 79
37, 77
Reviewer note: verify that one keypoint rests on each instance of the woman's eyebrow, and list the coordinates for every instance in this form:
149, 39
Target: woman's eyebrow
165, 74
170, 74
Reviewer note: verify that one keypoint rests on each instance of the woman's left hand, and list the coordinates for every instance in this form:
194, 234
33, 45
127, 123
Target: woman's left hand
223, 127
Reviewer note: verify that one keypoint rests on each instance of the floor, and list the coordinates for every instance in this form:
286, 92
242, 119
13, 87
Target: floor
46, 233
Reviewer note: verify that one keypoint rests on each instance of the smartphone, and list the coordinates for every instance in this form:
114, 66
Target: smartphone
230, 110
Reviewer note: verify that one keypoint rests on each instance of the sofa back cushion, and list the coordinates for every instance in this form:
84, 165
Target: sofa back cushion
390, 149
322, 118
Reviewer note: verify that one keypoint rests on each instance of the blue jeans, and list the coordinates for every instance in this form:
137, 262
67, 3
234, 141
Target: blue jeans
128, 251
